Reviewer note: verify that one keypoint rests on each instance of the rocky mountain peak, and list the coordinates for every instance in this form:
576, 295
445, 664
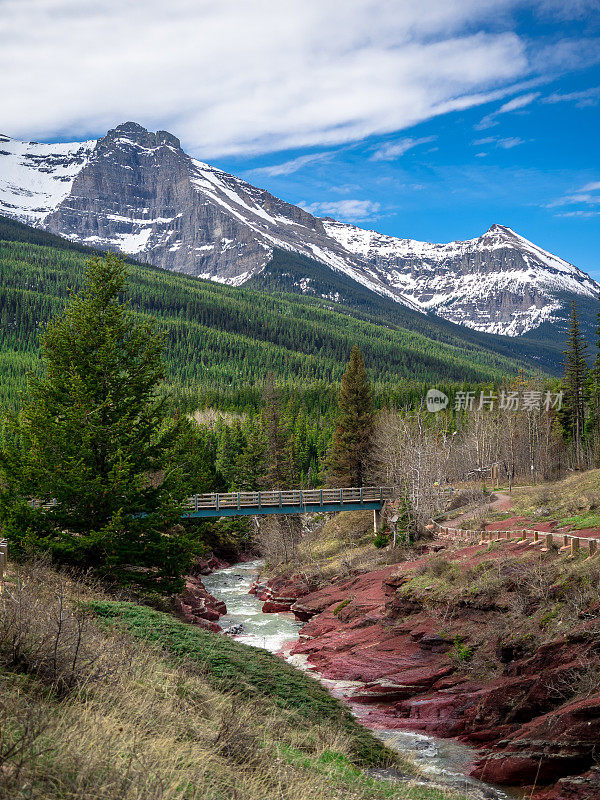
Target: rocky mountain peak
496, 228
133, 133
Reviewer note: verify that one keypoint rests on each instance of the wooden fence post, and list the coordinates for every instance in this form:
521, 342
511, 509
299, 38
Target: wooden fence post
592, 547
574, 545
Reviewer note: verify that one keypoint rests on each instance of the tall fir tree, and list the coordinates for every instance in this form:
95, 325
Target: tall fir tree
251, 460
278, 456
92, 437
593, 423
575, 386
349, 459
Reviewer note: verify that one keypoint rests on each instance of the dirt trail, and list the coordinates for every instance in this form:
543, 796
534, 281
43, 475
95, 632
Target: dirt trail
502, 502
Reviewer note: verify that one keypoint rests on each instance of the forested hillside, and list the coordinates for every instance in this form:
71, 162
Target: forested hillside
294, 272
221, 341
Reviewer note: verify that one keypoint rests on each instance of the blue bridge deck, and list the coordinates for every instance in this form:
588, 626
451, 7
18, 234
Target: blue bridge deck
295, 501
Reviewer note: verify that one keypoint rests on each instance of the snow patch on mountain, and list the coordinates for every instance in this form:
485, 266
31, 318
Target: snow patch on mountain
35, 178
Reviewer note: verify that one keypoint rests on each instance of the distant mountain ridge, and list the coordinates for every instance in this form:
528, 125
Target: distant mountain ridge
140, 193
500, 281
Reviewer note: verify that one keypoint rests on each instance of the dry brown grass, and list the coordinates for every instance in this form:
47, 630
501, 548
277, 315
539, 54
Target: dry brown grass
578, 493
339, 545
520, 600
86, 712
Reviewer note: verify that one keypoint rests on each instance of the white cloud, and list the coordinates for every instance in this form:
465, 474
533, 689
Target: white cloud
580, 213
392, 150
567, 54
348, 210
288, 167
587, 197
506, 144
262, 75
510, 142
512, 105
573, 9
586, 97
518, 102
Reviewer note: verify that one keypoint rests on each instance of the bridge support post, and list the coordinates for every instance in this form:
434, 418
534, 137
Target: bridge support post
376, 520
3, 560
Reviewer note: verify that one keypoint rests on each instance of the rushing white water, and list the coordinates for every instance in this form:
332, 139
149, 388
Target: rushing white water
269, 631
443, 760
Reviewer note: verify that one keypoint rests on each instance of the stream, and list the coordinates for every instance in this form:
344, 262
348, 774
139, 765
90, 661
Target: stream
441, 760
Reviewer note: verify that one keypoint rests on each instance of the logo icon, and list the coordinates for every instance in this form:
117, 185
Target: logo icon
436, 400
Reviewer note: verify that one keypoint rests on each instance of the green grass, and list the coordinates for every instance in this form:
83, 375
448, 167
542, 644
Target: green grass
235, 668
590, 519
339, 770
341, 606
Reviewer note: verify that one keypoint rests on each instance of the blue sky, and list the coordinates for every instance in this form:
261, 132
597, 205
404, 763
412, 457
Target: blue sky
536, 169
419, 118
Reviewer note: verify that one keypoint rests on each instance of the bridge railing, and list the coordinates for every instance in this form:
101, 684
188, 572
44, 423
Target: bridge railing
290, 497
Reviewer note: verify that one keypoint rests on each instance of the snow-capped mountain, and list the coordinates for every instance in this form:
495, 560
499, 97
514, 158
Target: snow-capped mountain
35, 178
499, 282
138, 192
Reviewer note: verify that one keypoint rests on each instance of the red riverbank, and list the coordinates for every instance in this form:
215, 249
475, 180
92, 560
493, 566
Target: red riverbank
412, 659
195, 604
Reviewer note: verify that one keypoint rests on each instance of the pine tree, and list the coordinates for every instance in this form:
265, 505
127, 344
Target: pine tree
349, 457
251, 460
593, 425
574, 386
92, 437
278, 456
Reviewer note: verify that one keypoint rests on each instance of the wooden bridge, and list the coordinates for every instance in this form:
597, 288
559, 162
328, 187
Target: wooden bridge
293, 501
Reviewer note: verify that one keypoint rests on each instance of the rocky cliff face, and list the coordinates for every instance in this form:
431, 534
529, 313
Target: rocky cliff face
138, 192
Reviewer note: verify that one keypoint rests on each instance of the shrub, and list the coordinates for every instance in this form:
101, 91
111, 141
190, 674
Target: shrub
462, 652
44, 635
342, 605
381, 540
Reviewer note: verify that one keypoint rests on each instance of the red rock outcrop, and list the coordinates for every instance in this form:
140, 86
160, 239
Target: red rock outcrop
555, 745
205, 566
281, 593
198, 606
406, 658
